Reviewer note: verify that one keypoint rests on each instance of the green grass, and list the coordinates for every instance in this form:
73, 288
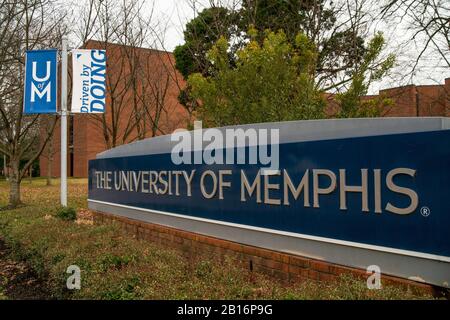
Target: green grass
117, 266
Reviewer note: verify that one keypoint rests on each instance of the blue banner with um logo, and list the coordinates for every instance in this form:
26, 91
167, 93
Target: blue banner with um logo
40, 81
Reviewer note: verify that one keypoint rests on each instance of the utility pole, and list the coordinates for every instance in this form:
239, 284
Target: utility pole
64, 122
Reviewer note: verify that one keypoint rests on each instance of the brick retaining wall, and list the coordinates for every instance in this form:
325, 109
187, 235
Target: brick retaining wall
282, 266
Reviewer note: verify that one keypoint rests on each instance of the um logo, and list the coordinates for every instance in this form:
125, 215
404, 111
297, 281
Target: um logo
41, 88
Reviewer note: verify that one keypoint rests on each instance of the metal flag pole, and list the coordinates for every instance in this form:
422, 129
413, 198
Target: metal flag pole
64, 122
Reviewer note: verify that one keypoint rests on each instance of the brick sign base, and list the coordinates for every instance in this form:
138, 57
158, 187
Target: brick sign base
282, 266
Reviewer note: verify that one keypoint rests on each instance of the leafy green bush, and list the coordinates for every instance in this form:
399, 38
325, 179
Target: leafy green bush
67, 213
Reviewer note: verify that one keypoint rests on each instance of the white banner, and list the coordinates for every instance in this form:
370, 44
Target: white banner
89, 81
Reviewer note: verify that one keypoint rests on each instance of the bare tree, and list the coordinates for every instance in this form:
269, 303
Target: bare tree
429, 21
156, 80
136, 95
25, 25
50, 149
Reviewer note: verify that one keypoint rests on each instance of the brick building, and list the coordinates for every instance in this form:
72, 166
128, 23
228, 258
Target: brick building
156, 75
412, 101
419, 101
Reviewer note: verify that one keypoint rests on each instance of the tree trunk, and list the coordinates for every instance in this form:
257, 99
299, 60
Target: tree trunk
49, 170
5, 167
50, 161
49, 173
14, 184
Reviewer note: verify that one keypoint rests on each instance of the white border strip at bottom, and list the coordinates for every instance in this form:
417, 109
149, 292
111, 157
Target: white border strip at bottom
290, 234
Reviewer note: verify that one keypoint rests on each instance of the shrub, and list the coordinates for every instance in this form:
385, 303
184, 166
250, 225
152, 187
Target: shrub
67, 213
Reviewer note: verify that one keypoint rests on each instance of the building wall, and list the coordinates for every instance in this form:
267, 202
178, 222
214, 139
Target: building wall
417, 101
80, 145
408, 101
431, 100
56, 155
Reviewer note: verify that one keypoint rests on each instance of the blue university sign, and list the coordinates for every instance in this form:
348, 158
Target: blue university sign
355, 192
40, 86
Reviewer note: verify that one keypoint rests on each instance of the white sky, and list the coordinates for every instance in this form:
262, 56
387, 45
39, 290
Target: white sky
178, 14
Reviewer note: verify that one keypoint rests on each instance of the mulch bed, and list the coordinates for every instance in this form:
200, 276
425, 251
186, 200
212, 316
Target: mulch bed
17, 280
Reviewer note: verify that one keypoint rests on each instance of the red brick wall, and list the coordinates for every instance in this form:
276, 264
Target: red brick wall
80, 145
416, 101
409, 101
404, 99
282, 266
56, 163
431, 100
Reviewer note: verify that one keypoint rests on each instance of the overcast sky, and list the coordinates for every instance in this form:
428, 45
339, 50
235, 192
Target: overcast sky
177, 13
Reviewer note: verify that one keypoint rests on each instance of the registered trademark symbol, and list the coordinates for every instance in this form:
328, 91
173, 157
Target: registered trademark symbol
425, 211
